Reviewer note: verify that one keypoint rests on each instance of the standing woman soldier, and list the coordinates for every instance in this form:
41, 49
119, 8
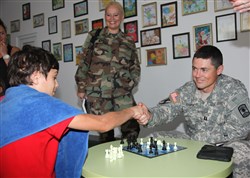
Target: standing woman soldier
109, 71
6, 50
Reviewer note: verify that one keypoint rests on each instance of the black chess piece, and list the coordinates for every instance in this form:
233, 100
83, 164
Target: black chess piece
150, 150
164, 145
139, 148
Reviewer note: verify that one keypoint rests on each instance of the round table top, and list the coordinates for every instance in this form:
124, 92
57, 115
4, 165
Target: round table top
182, 163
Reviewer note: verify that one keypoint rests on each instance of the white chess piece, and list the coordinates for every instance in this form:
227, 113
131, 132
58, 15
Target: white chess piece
175, 146
168, 147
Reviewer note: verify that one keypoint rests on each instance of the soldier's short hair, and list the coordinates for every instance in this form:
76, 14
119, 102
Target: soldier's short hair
117, 5
210, 52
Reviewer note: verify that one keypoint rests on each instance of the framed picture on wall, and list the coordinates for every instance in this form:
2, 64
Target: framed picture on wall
139, 54
81, 8
66, 29
226, 28
103, 4
57, 4
131, 29
38, 20
79, 54
81, 26
203, 35
156, 57
245, 21
52, 25
220, 5
97, 24
46, 45
151, 37
169, 16
15, 26
191, 7
149, 14
181, 45
130, 8
26, 11
68, 52
57, 51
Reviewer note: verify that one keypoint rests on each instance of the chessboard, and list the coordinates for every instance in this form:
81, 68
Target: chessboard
151, 148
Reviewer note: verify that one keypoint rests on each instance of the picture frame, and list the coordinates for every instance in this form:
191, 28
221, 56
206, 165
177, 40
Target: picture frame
169, 14
15, 26
66, 29
131, 29
52, 25
226, 27
181, 45
151, 37
157, 56
139, 54
245, 21
220, 5
192, 7
103, 4
203, 35
97, 24
57, 4
38, 20
57, 51
149, 14
26, 11
46, 45
130, 8
68, 52
81, 8
79, 54
81, 26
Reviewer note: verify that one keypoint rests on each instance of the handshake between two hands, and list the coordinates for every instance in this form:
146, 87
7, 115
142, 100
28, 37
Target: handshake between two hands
141, 113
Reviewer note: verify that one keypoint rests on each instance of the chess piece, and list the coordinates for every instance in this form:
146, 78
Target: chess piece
175, 146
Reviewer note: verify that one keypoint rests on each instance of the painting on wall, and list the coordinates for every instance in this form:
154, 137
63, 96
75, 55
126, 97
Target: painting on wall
181, 45
97, 24
57, 4
46, 45
15, 26
66, 29
52, 21
57, 51
68, 52
149, 14
103, 4
220, 5
81, 26
226, 27
169, 14
150, 37
38, 20
156, 57
81, 8
131, 29
202, 35
79, 54
130, 8
245, 21
191, 7
26, 11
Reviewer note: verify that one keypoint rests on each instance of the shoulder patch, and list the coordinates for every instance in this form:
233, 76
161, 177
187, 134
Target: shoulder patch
175, 97
244, 111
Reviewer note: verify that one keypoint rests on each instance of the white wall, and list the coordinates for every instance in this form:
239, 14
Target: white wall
157, 81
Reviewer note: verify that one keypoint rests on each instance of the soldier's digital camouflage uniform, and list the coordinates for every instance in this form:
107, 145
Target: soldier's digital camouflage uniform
223, 117
109, 76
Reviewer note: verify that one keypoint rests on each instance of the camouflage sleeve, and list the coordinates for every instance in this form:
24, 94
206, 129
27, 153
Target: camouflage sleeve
166, 110
135, 69
81, 72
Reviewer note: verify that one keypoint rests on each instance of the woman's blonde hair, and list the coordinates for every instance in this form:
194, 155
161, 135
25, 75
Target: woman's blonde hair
117, 5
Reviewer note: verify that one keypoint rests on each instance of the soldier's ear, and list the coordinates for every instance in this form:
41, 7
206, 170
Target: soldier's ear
220, 69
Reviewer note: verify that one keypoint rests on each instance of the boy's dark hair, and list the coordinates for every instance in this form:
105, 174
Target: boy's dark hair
210, 52
2, 85
30, 59
2, 24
